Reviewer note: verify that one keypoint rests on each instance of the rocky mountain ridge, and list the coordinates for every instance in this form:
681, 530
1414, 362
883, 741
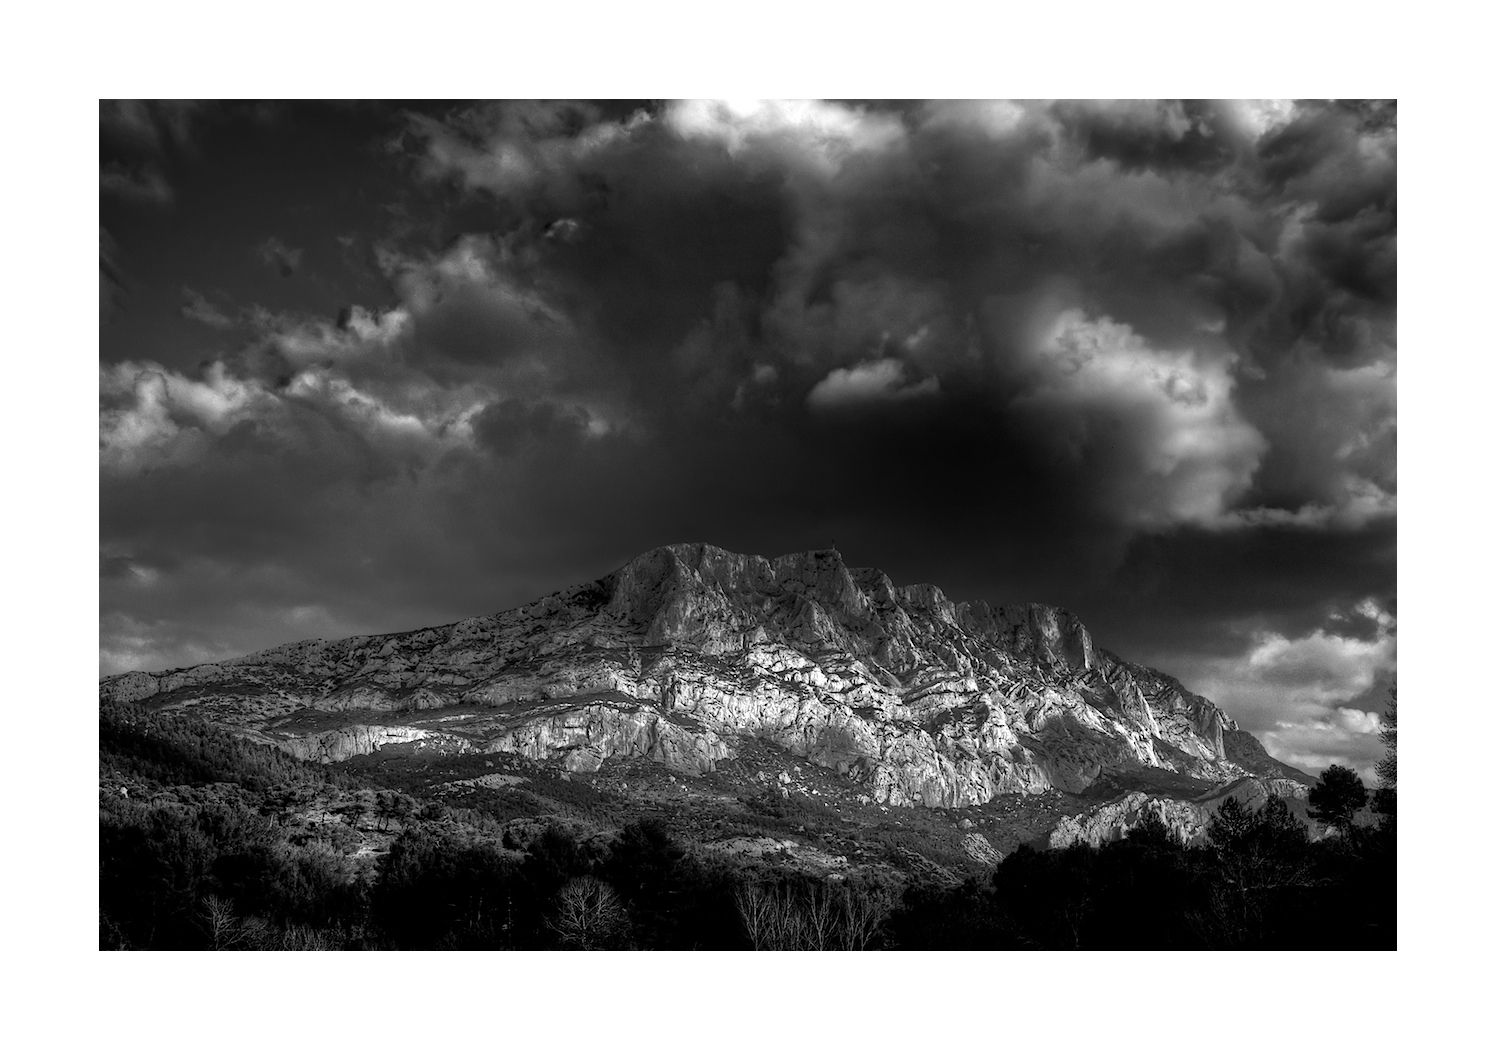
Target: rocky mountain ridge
689, 649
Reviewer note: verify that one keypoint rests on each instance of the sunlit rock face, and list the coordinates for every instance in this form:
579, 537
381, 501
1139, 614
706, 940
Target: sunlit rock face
336, 745
1186, 819
688, 650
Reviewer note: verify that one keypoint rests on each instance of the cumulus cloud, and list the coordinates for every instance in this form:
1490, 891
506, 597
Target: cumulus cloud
151, 416
1296, 691
1357, 503
1347, 737
814, 134
996, 118
1158, 427
1319, 669
357, 340
1261, 116
512, 146
869, 383
1150, 348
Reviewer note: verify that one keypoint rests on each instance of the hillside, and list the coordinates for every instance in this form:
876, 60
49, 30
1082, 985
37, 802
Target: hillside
789, 734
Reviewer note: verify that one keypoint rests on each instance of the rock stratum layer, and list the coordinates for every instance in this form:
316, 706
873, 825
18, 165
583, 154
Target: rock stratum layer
688, 651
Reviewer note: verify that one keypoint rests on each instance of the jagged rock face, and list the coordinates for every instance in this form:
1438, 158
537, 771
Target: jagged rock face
585, 737
1111, 822
689, 648
980, 850
1186, 819
337, 745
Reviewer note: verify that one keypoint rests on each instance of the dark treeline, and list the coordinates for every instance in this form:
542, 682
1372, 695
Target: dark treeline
207, 862
1259, 883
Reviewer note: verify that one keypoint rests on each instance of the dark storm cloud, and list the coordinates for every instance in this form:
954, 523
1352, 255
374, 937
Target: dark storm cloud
1143, 134
1136, 359
508, 425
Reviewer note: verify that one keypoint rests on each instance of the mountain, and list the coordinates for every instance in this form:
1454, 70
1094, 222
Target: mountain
697, 659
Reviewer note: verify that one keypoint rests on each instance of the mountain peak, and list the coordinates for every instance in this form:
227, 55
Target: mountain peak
690, 653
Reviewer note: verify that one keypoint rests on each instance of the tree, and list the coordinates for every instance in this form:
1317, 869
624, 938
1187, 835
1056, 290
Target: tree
1384, 799
1336, 796
1229, 825
758, 911
1271, 828
589, 915
1261, 855
359, 806
227, 932
1151, 832
864, 910
1279, 828
815, 918
774, 919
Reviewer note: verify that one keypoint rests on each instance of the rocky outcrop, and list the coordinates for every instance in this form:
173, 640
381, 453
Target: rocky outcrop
584, 737
1113, 821
338, 745
1186, 819
688, 649
976, 846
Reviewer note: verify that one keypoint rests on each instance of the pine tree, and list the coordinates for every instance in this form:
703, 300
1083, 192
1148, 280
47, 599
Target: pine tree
1336, 796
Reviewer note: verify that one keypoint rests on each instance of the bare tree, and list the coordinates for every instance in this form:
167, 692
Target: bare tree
863, 914
308, 939
219, 923
774, 921
820, 919
227, 932
589, 914
756, 910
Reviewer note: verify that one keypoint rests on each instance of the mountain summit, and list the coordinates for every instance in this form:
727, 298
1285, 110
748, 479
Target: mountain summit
690, 654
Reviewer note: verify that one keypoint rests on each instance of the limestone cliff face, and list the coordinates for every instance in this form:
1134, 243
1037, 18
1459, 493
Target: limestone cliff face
689, 649
1112, 821
585, 737
1187, 819
337, 745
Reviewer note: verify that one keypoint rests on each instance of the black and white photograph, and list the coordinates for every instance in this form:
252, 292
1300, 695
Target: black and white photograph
748, 525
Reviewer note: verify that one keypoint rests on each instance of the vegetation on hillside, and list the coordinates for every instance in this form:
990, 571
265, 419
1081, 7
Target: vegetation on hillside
207, 841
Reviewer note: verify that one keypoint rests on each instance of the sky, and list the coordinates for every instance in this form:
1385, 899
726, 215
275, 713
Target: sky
372, 367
